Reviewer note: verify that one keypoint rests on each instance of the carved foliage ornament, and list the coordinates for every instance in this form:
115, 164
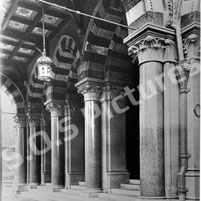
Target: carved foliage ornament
166, 47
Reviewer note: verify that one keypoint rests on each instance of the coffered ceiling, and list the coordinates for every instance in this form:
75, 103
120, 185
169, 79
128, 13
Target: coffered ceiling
21, 30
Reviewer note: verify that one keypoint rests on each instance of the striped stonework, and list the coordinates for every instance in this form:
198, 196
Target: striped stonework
14, 93
105, 55
66, 59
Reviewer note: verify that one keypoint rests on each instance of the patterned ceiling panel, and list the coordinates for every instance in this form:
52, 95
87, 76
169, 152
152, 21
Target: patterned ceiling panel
39, 31
18, 26
2, 55
26, 13
26, 51
21, 30
49, 19
6, 47
21, 59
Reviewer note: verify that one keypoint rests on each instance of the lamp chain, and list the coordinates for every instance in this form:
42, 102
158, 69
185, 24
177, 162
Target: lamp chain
43, 23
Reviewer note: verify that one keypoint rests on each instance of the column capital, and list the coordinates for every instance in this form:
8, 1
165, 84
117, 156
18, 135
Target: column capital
149, 43
111, 91
192, 46
73, 107
148, 49
90, 91
20, 120
55, 107
33, 119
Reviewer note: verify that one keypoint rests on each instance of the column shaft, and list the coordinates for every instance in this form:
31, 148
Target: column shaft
92, 141
57, 152
34, 154
46, 154
151, 132
21, 149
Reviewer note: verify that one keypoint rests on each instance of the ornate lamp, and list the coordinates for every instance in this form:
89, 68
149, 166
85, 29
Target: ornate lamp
44, 63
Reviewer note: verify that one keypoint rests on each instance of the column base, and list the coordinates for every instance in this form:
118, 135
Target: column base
73, 178
33, 185
57, 188
92, 192
115, 179
153, 198
21, 188
193, 184
45, 178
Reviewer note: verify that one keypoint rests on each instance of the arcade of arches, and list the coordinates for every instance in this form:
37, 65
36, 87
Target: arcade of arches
123, 104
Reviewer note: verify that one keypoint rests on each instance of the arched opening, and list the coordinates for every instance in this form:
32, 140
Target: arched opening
8, 131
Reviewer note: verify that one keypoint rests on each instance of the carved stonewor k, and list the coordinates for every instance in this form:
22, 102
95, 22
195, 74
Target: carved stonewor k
56, 108
20, 120
150, 48
182, 74
192, 46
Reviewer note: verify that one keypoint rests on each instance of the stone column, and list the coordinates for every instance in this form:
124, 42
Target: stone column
150, 55
192, 45
92, 137
113, 139
171, 120
46, 150
74, 142
21, 149
57, 144
34, 144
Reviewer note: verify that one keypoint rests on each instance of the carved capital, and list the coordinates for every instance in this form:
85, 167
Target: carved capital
33, 119
110, 92
149, 49
192, 46
56, 108
20, 120
182, 74
90, 92
170, 52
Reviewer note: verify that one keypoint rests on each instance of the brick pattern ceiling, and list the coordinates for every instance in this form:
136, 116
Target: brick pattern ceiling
21, 31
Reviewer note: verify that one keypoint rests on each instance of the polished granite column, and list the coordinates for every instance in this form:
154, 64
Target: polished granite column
21, 149
57, 145
92, 137
46, 147
74, 141
113, 139
34, 157
152, 174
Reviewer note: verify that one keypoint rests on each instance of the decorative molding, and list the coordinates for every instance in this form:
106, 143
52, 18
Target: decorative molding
170, 7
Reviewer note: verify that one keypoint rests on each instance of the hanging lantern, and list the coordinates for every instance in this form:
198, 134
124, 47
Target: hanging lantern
44, 65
